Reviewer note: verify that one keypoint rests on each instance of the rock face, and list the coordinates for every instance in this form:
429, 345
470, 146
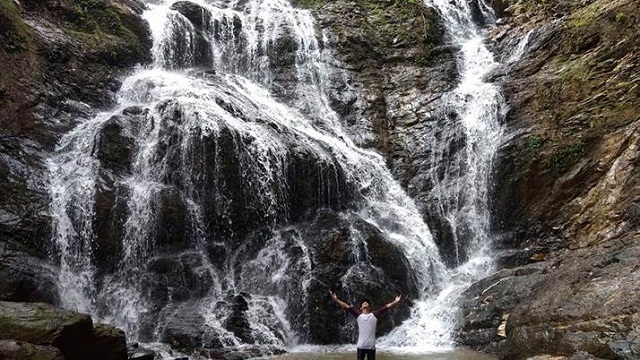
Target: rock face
329, 237
566, 191
43, 330
17, 350
401, 68
60, 64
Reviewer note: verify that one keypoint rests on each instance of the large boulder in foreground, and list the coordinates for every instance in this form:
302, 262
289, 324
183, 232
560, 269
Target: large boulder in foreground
17, 350
581, 301
47, 326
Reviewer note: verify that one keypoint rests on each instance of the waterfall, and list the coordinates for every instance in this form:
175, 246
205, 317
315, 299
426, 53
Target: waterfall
459, 196
521, 48
180, 205
180, 209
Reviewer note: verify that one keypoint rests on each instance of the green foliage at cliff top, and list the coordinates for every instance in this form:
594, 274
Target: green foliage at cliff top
388, 31
97, 16
15, 35
313, 4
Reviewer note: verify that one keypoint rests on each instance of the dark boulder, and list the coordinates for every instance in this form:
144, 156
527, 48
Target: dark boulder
116, 142
237, 322
111, 211
137, 351
185, 329
173, 226
19, 350
72, 333
314, 183
195, 52
107, 343
24, 277
177, 277
197, 15
379, 273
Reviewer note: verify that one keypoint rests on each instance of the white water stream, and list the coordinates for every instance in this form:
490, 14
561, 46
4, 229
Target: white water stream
462, 193
242, 38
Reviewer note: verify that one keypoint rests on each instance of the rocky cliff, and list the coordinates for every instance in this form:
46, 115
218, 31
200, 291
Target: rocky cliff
61, 62
566, 185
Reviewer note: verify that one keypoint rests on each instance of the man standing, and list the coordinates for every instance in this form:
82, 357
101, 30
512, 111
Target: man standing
367, 321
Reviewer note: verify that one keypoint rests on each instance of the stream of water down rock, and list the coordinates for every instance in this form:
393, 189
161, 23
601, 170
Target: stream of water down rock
193, 203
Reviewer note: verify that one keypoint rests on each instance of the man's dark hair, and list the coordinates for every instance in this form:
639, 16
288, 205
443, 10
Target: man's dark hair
365, 301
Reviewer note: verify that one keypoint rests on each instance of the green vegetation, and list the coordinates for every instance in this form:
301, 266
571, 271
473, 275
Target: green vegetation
102, 19
15, 34
534, 142
309, 4
109, 34
97, 16
385, 29
565, 156
588, 86
315, 4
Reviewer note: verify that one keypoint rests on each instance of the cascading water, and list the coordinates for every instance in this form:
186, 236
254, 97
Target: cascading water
178, 210
460, 177
520, 48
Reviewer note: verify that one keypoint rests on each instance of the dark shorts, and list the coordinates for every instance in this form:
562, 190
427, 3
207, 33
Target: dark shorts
369, 353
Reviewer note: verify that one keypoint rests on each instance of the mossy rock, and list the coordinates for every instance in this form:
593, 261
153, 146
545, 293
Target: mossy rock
17, 350
71, 332
388, 31
573, 96
108, 343
15, 34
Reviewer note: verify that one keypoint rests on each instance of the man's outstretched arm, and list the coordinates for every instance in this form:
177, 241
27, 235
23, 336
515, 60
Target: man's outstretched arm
394, 302
342, 304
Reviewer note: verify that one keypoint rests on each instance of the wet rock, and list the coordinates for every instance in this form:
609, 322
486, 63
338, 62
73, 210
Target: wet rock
108, 343
178, 277
18, 350
185, 329
116, 143
243, 352
238, 322
172, 225
57, 71
24, 277
72, 333
197, 50
314, 184
378, 276
111, 211
197, 15
137, 352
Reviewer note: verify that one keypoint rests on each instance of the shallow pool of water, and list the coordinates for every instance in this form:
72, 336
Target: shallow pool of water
383, 355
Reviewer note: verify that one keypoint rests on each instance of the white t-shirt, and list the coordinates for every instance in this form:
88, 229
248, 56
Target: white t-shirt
367, 326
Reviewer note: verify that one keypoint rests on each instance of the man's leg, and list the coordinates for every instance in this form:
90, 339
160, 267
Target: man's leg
371, 354
361, 354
